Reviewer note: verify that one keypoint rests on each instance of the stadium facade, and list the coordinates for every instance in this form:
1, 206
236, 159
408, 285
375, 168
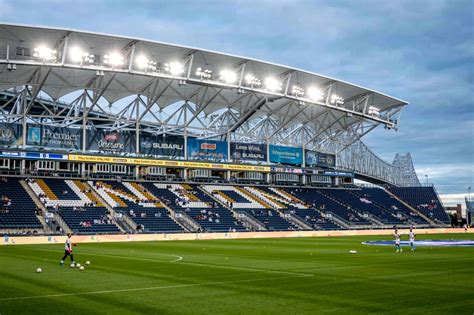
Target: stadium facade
100, 107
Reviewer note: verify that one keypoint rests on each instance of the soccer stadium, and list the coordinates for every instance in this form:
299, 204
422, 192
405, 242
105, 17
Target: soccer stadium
194, 181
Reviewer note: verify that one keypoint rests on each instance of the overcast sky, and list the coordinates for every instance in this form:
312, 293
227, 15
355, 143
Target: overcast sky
419, 51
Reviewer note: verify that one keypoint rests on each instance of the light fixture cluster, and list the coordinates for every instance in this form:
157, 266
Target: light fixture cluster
297, 91
143, 63
253, 81
77, 55
336, 100
114, 59
228, 76
375, 111
44, 53
177, 68
203, 73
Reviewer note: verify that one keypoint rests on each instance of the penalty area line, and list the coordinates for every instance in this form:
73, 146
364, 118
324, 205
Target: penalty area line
148, 288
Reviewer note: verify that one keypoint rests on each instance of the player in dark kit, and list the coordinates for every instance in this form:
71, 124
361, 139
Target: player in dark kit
68, 250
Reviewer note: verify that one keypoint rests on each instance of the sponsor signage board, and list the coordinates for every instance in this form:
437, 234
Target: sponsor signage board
338, 173
166, 163
34, 155
314, 158
248, 152
162, 145
10, 134
54, 137
111, 142
286, 155
207, 150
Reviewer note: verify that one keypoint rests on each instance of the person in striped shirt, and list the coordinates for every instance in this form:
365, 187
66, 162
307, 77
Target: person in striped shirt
68, 250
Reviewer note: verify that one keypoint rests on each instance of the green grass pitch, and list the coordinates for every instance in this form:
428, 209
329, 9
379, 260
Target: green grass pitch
252, 276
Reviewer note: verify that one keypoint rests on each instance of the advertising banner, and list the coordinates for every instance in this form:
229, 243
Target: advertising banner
339, 173
110, 142
286, 155
207, 150
162, 145
165, 163
10, 134
54, 137
248, 152
313, 159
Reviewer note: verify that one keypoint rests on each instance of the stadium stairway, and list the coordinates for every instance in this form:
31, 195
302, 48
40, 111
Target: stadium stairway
42, 217
425, 200
125, 225
246, 219
152, 215
285, 208
188, 200
410, 207
161, 193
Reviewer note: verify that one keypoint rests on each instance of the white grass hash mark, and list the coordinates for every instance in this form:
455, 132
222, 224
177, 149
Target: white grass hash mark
146, 289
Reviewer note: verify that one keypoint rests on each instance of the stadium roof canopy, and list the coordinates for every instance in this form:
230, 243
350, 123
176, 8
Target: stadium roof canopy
169, 88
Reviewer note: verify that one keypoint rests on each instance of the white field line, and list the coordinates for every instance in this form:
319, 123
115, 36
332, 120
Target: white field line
189, 263
146, 289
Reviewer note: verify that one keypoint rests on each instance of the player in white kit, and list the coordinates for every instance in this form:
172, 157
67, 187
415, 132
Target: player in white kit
412, 239
397, 241
68, 250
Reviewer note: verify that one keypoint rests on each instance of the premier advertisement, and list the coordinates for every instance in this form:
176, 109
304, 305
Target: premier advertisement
162, 145
10, 134
314, 159
111, 142
54, 137
248, 152
207, 150
286, 155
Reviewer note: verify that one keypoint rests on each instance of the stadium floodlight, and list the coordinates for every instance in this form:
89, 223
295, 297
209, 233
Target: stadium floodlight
203, 73
314, 93
374, 110
336, 99
297, 91
44, 53
253, 81
114, 59
228, 76
272, 84
143, 63
174, 68
77, 55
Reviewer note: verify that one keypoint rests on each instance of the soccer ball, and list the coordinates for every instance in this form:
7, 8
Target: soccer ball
72, 265
39, 270
88, 262
78, 265
81, 268
352, 252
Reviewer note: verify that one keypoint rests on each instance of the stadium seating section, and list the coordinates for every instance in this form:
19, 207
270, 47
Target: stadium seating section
102, 206
17, 209
423, 199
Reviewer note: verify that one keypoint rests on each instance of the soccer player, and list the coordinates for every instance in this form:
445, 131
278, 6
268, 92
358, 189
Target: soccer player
68, 250
397, 241
412, 239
